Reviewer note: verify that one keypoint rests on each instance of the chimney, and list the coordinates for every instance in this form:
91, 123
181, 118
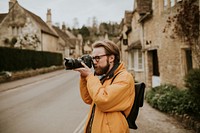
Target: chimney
144, 6
11, 3
49, 17
64, 27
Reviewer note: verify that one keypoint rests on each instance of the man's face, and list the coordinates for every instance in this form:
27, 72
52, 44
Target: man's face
100, 60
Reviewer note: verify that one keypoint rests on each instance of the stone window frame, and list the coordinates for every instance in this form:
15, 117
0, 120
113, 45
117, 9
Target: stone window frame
185, 60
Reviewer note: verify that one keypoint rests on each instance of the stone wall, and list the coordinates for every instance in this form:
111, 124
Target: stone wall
170, 52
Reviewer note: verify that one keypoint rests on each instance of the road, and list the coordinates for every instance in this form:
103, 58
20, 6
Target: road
51, 103
43, 105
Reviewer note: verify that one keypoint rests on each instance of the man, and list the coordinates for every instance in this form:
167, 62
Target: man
110, 100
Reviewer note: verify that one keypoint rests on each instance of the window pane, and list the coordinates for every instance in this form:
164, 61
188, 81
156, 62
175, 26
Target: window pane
140, 61
172, 3
188, 54
132, 59
165, 4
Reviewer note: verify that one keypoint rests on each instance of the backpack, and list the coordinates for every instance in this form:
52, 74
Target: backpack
138, 102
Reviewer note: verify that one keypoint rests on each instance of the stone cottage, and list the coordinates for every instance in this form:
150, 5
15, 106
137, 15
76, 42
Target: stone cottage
69, 44
20, 28
23, 29
154, 56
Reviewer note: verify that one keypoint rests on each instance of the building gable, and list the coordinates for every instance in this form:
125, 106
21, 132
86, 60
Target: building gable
44, 27
17, 16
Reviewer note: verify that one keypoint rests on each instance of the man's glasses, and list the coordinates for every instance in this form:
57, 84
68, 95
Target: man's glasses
97, 58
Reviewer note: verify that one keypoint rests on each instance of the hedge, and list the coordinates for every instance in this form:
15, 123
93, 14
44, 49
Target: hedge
13, 59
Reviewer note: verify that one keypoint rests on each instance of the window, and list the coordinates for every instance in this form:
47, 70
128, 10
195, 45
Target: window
136, 61
16, 30
169, 3
155, 63
165, 4
172, 3
131, 60
188, 56
140, 60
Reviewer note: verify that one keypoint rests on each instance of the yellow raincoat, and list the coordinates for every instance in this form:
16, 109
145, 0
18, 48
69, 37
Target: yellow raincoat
110, 100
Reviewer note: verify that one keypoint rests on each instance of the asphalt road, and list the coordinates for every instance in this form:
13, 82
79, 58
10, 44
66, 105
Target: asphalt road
51, 103
48, 103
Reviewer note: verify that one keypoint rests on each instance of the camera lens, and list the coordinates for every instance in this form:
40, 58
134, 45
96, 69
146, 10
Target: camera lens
72, 63
76, 63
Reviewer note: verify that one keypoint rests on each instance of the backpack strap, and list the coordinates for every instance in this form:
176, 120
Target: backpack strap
138, 102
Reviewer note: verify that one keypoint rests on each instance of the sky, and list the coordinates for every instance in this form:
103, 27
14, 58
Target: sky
65, 11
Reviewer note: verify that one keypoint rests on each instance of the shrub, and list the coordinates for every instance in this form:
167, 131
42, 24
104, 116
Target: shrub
18, 59
192, 81
163, 97
168, 98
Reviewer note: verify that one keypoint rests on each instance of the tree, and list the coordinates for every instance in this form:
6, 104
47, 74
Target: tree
103, 28
84, 31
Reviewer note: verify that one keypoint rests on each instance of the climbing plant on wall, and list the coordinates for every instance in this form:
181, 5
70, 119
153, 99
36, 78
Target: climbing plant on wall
185, 25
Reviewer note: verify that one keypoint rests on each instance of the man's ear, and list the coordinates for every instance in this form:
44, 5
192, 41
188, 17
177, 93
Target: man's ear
112, 58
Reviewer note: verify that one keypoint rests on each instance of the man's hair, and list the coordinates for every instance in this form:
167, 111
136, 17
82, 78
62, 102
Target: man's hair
110, 48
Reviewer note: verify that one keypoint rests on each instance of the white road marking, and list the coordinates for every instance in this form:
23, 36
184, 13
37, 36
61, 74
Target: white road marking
80, 127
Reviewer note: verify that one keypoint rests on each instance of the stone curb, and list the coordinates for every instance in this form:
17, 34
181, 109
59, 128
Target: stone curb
188, 122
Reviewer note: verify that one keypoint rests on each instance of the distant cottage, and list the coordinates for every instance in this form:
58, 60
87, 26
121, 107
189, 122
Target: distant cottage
20, 28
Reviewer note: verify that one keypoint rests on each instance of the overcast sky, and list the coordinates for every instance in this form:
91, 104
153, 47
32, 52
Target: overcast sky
66, 10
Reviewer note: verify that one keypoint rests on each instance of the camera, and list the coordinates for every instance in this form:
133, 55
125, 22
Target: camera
76, 63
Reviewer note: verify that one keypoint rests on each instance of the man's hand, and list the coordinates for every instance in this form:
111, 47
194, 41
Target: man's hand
84, 71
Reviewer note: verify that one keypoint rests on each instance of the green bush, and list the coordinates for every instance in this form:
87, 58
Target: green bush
192, 81
163, 97
13, 59
168, 98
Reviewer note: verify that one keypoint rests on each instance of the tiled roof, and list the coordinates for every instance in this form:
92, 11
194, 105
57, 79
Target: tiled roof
70, 34
44, 27
64, 36
2, 16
